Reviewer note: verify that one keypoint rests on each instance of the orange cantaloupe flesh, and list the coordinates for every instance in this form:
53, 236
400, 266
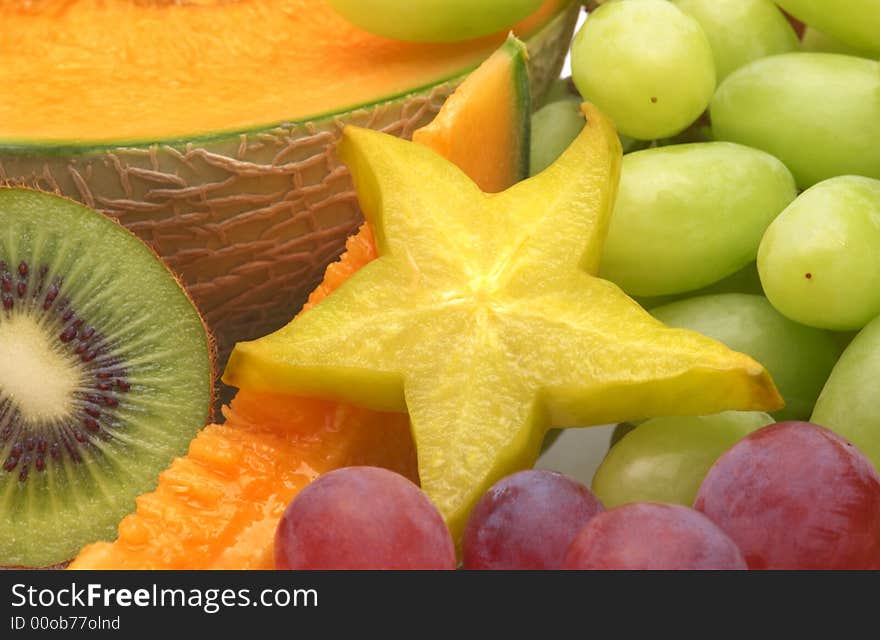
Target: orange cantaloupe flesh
99, 71
474, 123
218, 507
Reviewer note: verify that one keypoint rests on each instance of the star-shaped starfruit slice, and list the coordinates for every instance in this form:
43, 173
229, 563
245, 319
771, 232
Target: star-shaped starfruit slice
483, 318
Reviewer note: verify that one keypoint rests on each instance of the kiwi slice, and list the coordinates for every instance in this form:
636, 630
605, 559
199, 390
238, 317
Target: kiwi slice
105, 375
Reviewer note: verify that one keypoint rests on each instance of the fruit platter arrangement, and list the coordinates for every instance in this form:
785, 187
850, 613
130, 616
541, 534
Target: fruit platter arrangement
311, 284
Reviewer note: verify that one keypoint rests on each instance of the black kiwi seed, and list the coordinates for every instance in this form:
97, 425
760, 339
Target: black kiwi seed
82, 342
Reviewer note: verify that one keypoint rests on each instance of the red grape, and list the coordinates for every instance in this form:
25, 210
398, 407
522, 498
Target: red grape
363, 518
526, 521
647, 535
795, 495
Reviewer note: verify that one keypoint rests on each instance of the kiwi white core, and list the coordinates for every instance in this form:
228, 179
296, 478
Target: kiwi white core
34, 376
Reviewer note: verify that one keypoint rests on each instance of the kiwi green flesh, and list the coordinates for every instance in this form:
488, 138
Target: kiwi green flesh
105, 375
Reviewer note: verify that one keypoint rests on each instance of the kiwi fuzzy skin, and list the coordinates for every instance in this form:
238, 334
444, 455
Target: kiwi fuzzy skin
211, 341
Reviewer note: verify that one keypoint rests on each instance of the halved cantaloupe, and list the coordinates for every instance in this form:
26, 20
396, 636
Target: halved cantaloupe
218, 507
209, 128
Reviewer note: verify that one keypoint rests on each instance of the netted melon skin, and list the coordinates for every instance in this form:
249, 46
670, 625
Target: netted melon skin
249, 220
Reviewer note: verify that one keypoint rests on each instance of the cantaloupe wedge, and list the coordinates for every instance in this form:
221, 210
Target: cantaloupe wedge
218, 506
488, 112
209, 128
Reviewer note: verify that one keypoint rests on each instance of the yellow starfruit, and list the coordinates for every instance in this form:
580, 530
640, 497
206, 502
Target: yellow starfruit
483, 318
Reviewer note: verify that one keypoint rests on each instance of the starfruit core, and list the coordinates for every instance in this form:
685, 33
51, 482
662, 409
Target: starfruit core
483, 318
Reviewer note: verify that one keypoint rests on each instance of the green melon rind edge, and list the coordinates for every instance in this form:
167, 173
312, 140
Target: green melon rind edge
523, 89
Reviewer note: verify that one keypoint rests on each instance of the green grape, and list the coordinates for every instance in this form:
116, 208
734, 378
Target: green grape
819, 261
817, 112
434, 20
741, 30
817, 42
689, 215
855, 22
848, 403
799, 358
666, 459
745, 280
554, 126
645, 64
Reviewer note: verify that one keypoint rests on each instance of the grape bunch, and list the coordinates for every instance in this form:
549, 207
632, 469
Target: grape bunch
749, 200
544, 520
371, 518
749, 211
788, 495
791, 495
